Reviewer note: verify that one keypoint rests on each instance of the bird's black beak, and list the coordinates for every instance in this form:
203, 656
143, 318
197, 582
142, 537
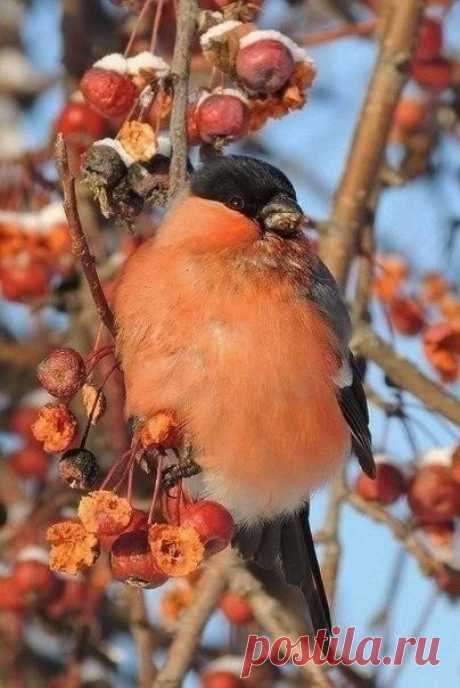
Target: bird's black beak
281, 215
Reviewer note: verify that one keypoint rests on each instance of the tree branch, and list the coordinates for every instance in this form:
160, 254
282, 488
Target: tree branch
188, 636
404, 373
80, 246
143, 638
270, 614
180, 73
369, 142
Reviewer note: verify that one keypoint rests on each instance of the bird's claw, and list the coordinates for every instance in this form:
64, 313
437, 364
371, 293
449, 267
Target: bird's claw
177, 471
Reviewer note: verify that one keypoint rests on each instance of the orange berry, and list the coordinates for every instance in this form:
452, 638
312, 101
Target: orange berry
410, 113
176, 550
102, 511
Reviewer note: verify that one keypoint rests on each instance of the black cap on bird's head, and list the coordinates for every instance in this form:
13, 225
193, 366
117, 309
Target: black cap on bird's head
252, 187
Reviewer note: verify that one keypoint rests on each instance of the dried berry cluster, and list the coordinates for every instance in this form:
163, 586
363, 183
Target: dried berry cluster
433, 311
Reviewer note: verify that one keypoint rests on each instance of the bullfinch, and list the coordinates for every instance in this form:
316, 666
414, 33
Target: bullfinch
229, 317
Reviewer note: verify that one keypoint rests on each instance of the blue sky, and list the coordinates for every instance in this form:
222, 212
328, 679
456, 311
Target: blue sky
413, 221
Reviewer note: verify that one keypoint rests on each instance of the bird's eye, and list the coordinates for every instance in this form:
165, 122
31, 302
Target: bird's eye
236, 202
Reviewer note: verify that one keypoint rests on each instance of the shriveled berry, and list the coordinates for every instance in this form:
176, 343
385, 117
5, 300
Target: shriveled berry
110, 93
30, 462
78, 468
104, 163
434, 497
131, 560
388, 485
236, 609
213, 523
62, 373
222, 116
264, 66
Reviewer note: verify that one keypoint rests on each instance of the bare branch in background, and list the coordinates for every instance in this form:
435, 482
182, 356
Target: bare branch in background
369, 144
405, 374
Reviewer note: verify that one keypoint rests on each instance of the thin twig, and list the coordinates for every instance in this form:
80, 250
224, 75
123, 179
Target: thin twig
180, 72
80, 247
405, 374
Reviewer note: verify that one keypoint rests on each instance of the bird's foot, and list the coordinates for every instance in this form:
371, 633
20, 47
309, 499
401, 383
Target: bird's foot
177, 471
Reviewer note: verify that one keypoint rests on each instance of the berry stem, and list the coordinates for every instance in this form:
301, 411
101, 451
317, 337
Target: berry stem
156, 489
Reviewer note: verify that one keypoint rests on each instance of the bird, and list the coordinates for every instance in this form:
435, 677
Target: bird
228, 316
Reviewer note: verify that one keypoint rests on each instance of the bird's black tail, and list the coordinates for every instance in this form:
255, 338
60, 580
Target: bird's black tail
288, 543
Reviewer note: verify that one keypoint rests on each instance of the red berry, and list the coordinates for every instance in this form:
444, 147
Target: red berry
193, 134
264, 66
110, 93
62, 373
388, 486
11, 599
429, 43
434, 496
33, 577
70, 599
435, 74
407, 316
24, 280
236, 609
30, 462
222, 116
80, 118
131, 560
220, 679
213, 523
22, 419
138, 522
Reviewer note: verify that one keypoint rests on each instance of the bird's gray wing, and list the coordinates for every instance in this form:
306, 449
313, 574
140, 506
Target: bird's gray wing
325, 293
